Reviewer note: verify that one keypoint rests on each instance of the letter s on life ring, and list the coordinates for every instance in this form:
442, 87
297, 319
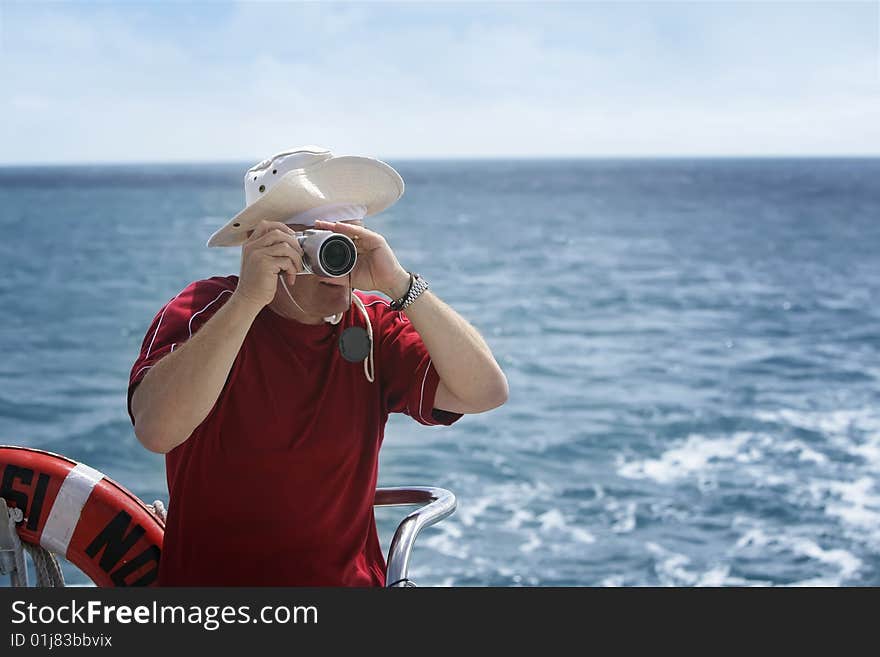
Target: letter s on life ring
77, 512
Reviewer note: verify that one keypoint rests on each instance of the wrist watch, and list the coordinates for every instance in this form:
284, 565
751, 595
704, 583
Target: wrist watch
417, 285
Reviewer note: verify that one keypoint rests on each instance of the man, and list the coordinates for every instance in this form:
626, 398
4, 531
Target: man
251, 386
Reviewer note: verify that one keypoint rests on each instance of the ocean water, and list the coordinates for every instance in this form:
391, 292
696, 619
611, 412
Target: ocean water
692, 350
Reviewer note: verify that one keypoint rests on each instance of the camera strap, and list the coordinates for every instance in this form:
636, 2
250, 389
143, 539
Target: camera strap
355, 343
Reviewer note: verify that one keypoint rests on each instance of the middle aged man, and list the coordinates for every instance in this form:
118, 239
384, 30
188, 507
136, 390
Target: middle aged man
253, 387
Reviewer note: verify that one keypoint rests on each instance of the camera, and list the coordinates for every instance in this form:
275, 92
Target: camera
326, 253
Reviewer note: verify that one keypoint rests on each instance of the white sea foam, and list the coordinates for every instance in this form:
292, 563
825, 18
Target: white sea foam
613, 580
524, 514
698, 455
518, 517
446, 540
533, 543
846, 563
671, 569
804, 452
855, 503
552, 519
512, 498
518, 500
844, 560
534, 520
692, 456
868, 450
553, 523
582, 535
855, 500
856, 431
834, 422
675, 569
469, 513
624, 516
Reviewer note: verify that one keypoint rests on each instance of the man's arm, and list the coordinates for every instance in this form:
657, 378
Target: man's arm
178, 392
470, 379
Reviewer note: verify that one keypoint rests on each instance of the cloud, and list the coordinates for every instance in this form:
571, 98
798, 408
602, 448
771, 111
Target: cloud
213, 81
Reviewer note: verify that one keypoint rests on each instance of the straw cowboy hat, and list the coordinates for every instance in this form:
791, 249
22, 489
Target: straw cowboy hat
301, 185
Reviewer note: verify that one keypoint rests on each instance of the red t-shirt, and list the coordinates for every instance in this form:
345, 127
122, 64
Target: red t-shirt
275, 487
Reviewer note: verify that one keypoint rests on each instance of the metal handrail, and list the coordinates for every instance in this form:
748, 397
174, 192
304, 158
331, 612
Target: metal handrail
438, 503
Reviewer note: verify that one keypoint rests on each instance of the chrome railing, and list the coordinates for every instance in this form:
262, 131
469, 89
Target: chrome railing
437, 503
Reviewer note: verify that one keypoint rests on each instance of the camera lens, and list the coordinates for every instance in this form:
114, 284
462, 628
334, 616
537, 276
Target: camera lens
337, 255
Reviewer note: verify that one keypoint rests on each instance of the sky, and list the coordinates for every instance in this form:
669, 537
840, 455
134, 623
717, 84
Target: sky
211, 81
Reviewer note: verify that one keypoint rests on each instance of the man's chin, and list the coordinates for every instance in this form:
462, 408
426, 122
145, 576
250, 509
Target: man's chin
334, 299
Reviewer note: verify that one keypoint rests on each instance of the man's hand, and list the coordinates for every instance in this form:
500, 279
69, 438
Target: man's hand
377, 267
270, 250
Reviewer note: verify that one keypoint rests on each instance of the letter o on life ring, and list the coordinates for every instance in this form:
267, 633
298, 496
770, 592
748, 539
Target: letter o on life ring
77, 512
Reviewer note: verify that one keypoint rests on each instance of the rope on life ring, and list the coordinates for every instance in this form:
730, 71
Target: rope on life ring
75, 511
46, 566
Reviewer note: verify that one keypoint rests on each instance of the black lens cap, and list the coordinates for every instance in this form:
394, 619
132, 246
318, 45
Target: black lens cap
354, 344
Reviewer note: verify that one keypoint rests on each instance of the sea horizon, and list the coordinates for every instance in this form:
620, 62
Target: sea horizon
465, 158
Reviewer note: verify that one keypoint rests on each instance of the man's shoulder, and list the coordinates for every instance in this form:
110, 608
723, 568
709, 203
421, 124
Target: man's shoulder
378, 307
383, 317
217, 283
372, 300
207, 291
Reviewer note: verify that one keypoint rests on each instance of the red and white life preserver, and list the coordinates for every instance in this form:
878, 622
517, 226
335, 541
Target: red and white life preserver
75, 511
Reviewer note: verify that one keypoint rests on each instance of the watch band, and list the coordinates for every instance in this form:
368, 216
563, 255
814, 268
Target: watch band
397, 303
417, 285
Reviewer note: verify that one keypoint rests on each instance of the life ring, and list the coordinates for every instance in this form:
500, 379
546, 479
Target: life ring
75, 511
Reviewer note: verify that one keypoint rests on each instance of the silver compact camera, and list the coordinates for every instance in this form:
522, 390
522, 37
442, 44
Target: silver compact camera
326, 253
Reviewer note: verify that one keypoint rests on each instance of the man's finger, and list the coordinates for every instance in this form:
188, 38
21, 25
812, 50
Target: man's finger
277, 236
351, 230
284, 249
261, 229
266, 226
286, 263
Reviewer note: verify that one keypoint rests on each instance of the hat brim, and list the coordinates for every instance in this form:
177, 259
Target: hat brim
345, 180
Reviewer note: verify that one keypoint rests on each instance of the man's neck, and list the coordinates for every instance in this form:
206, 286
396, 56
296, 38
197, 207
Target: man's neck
282, 305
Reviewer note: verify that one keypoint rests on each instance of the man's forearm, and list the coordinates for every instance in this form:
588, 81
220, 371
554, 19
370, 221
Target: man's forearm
177, 394
460, 355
